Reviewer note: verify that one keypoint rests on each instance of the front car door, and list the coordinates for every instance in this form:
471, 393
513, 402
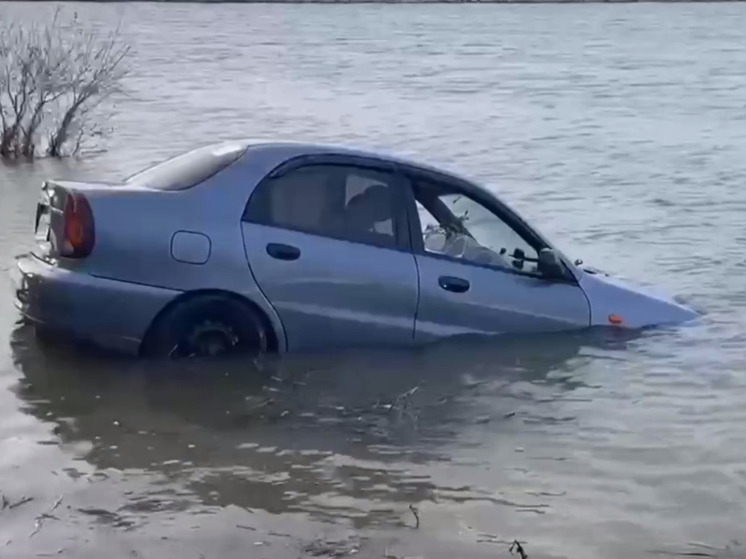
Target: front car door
328, 244
478, 267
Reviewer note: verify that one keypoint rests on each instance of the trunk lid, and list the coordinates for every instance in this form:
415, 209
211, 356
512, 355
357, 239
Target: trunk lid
55, 210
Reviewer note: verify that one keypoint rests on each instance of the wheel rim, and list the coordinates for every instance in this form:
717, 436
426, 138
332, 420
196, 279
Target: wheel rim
213, 339
208, 339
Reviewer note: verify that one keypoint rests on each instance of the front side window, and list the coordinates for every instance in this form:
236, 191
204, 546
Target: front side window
455, 225
344, 202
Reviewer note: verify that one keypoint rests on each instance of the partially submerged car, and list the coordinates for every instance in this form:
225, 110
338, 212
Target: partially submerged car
283, 246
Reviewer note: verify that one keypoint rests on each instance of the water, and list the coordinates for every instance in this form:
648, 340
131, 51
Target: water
618, 129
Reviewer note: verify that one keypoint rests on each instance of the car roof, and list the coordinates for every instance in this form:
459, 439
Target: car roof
283, 150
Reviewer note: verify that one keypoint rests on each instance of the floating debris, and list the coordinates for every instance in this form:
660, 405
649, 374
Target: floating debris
416, 514
8, 505
518, 548
333, 548
44, 516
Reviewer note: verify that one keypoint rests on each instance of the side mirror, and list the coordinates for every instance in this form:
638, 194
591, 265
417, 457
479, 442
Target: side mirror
550, 266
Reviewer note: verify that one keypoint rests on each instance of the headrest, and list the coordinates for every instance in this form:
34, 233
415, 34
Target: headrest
372, 205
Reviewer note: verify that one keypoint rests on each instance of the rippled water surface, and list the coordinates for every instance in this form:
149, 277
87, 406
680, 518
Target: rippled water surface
619, 129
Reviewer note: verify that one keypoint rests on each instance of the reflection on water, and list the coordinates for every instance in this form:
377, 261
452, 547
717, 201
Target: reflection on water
379, 439
303, 433
356, 436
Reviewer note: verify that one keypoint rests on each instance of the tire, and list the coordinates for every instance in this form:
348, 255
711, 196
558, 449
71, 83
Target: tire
208, 326
50, 337
43, 334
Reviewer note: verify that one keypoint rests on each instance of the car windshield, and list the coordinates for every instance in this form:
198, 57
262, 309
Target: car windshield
188, 169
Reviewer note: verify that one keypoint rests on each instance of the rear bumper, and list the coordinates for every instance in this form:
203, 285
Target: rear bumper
110, 314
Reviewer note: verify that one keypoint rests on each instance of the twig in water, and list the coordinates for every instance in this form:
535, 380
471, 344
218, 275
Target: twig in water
704, 545
57, 503
516, 545
44, 516
416, 514
37, 525
408, 393
23, 501
402, 405
685, 553
58, 552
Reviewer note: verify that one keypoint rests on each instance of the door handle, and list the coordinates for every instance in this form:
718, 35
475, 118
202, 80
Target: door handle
457, 285
283, 252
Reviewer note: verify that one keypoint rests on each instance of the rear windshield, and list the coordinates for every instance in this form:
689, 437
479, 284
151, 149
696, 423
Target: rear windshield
188, 169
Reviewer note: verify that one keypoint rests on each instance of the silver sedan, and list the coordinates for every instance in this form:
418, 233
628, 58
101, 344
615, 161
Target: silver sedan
281, 246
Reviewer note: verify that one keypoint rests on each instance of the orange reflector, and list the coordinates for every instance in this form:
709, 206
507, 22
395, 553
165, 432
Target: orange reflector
74, 230
615, 319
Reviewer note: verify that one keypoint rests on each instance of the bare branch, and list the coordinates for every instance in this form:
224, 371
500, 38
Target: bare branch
52, 77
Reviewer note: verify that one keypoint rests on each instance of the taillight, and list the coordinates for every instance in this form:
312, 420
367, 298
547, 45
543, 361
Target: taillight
79, 235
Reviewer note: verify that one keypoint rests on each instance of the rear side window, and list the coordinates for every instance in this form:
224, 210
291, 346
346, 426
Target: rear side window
188, 169
339, 201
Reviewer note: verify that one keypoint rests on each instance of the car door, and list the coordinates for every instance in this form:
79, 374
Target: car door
478, 267
328, 245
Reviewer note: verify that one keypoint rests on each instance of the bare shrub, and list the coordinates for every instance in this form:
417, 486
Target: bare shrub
53, 77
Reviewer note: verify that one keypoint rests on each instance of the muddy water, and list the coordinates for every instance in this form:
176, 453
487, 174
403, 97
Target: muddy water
618, 129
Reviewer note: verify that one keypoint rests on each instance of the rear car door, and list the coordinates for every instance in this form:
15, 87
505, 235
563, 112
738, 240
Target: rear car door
478, 268
327, 242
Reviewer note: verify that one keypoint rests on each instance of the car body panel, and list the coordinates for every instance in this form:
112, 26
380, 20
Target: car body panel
112, 314
337, 293
136, 243
496, 302
347, 292
633, 306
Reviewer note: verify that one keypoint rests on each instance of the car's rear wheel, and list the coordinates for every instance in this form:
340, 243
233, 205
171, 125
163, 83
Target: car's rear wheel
44, 334
208, 326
